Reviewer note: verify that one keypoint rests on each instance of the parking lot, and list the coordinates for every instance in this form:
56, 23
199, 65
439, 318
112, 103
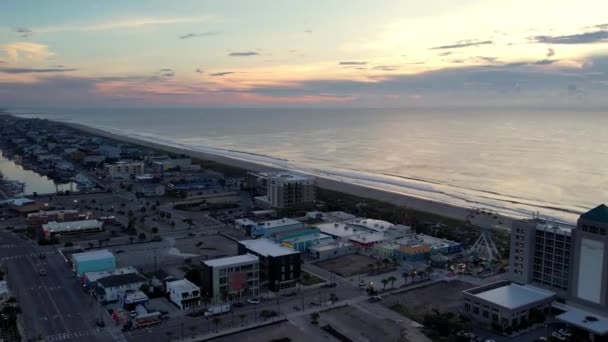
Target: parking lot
359, 325
441, 296
347, 265
284, 331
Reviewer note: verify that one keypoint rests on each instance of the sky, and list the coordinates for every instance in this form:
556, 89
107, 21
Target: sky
327, 53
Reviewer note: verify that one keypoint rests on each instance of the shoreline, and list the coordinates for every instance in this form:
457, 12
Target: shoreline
418, 204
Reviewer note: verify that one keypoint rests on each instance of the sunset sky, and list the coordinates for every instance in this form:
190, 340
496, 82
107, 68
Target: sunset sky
518, 53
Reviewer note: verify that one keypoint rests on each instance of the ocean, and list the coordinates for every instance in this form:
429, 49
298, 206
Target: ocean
517, 163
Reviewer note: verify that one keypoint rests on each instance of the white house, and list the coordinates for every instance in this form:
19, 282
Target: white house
184, 294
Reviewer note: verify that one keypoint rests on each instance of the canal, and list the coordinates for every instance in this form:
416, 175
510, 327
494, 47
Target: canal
33, 181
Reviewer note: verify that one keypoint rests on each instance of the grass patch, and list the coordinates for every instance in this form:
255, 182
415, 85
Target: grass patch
308, 279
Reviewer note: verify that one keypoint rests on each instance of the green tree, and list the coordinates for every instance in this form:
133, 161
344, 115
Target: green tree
242, 318
155, 230
141, 237
384, 283
314, 318
392, 280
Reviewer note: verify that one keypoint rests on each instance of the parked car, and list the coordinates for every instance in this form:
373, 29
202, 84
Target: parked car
253, 301
42, 272
374, 299
559, 336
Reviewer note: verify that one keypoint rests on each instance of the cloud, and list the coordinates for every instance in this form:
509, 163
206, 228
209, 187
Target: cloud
447, 53
33, 70
545, 62
223, 73
386, 67
602, 26
352, 63
195, 35
550, 52
309, 31
26, 50
199, 71
166, 74
463, 44
580, 38
23, 32
124, 23
487, 59
2, 62
243, 54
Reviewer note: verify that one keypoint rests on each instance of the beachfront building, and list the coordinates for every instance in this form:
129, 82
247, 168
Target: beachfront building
233, 278
55, 229
159, 167
269, 229
124, 169
340, 230
184, 294
506, 305
279, 266
282, 189
370, 224
540, 253
245, 225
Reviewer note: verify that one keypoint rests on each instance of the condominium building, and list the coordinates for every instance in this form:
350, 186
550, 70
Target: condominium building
589, 276
232, 278
283, 189
540, 253
124, 169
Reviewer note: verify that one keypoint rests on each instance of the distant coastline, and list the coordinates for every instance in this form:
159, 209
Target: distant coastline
418, 204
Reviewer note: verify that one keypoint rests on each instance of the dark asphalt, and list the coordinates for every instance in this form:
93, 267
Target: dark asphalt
54, 306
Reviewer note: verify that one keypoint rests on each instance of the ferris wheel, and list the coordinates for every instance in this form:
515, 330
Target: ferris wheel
486, 220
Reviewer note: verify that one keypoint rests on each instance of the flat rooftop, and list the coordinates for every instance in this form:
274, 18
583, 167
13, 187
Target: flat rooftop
233, 260
92, 255
514, 296
266, 247
585, 320
279, 223
341, 229
367, 238
183, 285
377, 225
71, 225
287, 176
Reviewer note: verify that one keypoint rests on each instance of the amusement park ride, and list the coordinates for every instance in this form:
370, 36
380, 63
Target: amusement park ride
487, 220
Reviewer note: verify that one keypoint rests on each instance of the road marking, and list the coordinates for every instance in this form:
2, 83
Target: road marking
65, 336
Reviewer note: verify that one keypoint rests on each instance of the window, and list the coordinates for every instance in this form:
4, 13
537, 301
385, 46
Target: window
476, 310
467, 307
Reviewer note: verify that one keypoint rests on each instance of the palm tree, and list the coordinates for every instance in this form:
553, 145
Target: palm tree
371, 267
384, 283
405, 275
392, 280
141, 237
386, 262
378, 263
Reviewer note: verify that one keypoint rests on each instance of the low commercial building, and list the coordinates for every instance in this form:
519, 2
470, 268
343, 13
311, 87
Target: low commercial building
149, 189
184, 294
90, 278
367, 240
130, 299
371, 224
110, 289
505, 304
55, 229
24, 205
269, 229
302, 240
124, 169
231, 279
340, 230
332, 250
279, 266
36, 220
93, 261
245, 225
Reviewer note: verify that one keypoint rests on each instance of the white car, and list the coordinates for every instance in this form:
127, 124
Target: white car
253, 301
564, 332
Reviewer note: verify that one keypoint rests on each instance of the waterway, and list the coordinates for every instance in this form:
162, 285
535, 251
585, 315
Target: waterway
34, 182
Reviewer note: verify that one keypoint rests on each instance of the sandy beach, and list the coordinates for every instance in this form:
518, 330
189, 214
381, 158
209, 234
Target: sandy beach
419, 204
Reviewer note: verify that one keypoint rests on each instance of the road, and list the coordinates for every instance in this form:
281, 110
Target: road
54, 306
